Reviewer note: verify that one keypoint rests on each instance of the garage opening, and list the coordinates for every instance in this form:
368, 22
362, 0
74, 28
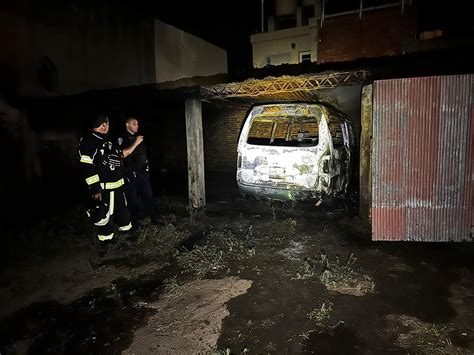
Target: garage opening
226, 106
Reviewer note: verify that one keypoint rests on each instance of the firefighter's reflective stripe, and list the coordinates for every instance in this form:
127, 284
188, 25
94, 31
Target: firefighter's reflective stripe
86, 159
105, 237
103, 221
112, 203
92, 179
125, 228
112, 185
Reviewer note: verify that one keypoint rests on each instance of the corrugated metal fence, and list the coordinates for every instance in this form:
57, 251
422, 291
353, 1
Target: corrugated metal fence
422, 159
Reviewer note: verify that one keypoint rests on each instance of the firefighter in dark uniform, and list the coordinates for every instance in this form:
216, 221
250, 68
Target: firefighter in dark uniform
102, 167
138, 188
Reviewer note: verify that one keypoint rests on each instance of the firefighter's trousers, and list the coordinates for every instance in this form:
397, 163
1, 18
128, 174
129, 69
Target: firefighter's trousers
119, 214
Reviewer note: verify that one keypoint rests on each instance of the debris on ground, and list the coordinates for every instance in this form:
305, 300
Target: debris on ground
214, 253
309, 269
276, 231
172, 287
423, 338
342, 277
169, 291
320, 316
337, 276
239, 226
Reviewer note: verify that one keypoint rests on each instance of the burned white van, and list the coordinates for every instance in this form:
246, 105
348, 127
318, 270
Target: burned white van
296, 151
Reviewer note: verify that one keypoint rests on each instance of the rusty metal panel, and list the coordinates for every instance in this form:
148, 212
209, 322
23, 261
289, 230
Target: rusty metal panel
422, 159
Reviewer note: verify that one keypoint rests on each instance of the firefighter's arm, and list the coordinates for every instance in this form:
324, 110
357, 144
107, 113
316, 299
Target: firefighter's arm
127, 151
89, 171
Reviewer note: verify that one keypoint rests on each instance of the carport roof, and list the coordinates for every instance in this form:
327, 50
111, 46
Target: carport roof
299, 88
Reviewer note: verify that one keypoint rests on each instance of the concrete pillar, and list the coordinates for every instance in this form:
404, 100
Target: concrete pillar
195, 148
365, 170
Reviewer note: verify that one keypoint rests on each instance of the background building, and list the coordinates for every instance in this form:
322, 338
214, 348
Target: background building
332, 31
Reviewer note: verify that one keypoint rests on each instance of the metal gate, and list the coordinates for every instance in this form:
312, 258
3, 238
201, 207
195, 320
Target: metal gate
422, 159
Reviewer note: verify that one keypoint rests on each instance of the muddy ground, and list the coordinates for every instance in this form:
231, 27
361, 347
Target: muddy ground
245, 277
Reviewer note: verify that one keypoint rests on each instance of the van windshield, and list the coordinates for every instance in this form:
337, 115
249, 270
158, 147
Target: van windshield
297, 131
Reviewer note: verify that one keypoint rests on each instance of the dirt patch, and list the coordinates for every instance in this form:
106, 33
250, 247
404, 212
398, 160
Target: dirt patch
188, 322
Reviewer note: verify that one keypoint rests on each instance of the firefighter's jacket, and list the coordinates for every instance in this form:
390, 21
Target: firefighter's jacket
101, 163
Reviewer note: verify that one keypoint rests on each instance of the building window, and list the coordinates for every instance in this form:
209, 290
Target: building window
305, 56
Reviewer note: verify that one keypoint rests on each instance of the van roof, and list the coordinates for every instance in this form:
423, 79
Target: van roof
300, 108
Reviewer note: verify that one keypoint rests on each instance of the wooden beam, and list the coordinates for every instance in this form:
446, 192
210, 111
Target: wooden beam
195, 148
365, 177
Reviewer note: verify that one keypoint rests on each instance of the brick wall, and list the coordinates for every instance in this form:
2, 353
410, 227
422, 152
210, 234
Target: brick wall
221, 126
379, 33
